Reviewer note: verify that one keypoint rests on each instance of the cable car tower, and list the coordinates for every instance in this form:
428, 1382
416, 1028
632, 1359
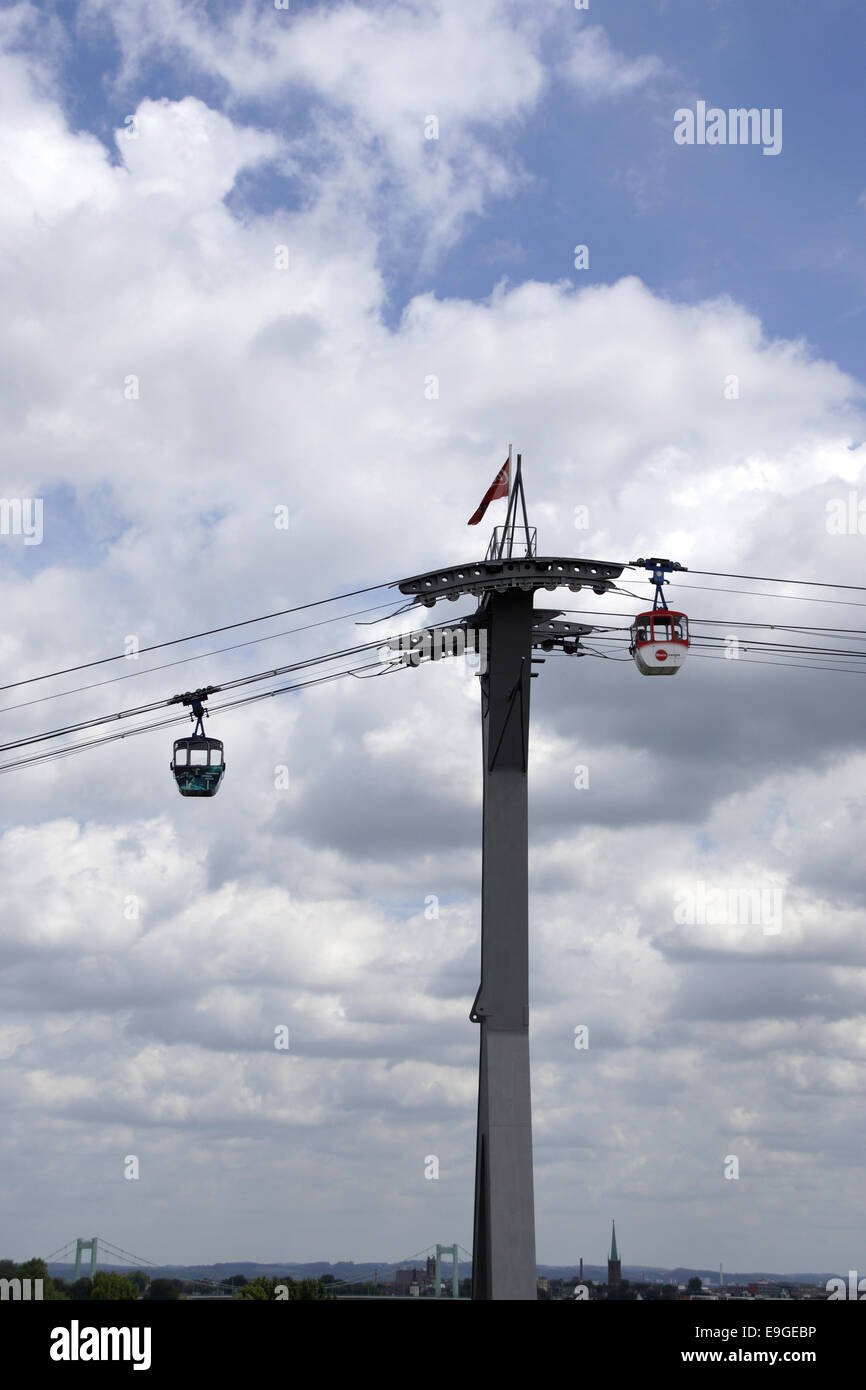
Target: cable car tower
503, 1263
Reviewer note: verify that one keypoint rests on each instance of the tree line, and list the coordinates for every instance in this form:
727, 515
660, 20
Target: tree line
108, 1286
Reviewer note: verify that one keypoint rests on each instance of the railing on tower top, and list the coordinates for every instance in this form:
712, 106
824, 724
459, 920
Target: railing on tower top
508, 541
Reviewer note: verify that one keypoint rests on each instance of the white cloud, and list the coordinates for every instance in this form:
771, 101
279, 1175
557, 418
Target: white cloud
362, 83
598, 70
188, 153
367, 80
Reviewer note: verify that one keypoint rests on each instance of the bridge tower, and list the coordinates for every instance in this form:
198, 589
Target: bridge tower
82, 1244
454, 1253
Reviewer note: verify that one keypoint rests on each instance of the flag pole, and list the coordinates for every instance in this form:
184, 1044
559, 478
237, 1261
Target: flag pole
506, 536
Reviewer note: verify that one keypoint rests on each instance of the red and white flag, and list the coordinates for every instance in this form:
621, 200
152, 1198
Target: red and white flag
498, 488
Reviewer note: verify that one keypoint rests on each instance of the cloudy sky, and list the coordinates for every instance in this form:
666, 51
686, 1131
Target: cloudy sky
318, 264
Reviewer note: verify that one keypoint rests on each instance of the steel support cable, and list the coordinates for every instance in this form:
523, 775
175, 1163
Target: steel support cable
241, 681
729, 623
757, 644
371, 588
163, 704
763, 579
786, 648
819, 662
798, 665
199, 656
56, 753
752, 661
209, 632
756, 593
139, 1259
61, 1250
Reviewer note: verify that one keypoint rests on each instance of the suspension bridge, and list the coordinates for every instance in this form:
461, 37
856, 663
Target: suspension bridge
438, 1265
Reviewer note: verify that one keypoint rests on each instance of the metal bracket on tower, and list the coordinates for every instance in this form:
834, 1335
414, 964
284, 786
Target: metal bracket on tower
468, 637
531, 572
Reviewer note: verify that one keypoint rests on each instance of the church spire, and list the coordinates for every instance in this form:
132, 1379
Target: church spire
614, 1267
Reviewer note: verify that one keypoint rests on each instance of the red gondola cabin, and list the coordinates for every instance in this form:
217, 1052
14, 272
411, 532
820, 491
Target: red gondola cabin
659, 642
